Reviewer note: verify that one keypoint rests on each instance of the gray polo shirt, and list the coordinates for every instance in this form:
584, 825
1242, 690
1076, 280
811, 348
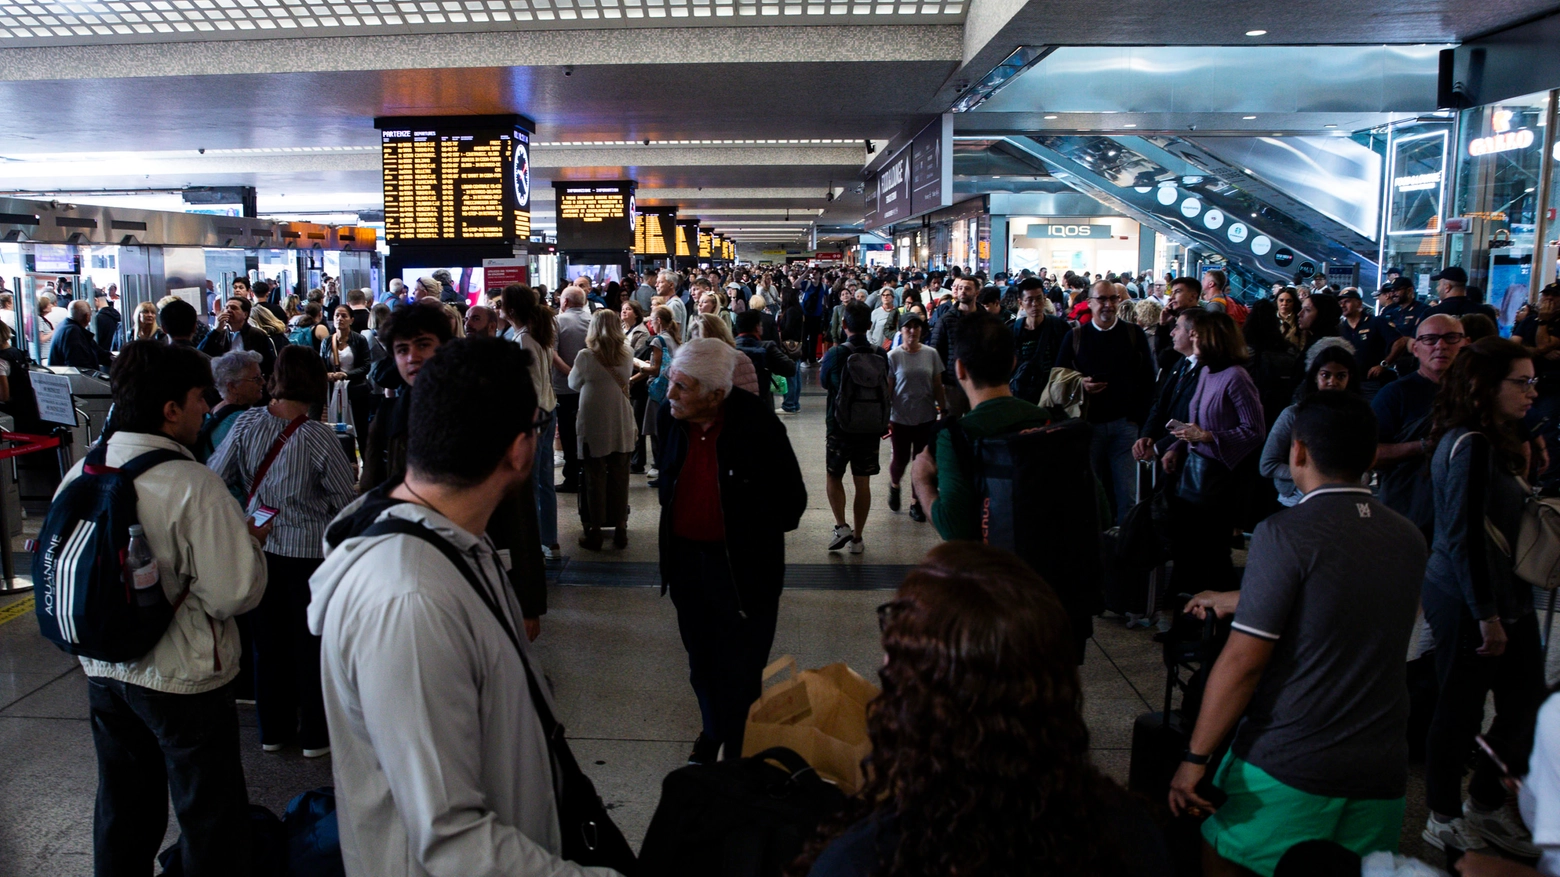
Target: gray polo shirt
1334, 583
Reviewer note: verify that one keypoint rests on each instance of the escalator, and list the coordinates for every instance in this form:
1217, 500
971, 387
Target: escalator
1265, 211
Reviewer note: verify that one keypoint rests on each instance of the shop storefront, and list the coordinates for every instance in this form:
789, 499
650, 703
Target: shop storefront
1501, 226
1096, 244
956, 236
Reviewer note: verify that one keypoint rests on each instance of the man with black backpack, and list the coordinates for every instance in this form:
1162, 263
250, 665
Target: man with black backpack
163, 717
442, 733
767, 356
855, 375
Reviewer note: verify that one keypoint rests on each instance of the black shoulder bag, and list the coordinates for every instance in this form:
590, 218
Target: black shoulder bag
590, 837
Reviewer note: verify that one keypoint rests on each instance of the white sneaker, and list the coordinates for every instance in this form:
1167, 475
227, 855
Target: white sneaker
857, 546
272, 747
842, 537
1455, 834
1502, 827
316, 753
551, 552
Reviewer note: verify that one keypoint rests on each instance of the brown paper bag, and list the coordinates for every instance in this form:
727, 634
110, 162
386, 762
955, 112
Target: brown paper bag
821, 714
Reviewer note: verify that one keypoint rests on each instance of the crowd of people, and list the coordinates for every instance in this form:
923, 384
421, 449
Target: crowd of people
376, 590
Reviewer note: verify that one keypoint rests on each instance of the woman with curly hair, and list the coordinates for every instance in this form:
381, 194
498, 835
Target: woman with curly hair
980, 756
1486, 633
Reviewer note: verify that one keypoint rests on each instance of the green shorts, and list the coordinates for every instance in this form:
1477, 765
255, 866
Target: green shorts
1263, 818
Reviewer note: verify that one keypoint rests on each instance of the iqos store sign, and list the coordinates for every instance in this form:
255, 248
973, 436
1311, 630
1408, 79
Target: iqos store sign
1061, 230
1503, 139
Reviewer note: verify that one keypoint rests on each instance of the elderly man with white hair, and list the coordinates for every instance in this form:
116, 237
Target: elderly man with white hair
730, 489
73, 344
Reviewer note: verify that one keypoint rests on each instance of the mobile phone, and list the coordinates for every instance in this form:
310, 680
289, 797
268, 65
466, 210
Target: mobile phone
1174, 425
263, 515
1511, 782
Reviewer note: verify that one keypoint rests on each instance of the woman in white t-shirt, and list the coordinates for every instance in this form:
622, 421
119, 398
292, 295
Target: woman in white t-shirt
916, 370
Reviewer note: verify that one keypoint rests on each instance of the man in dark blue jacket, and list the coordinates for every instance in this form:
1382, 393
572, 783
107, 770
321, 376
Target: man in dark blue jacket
730, 489
73, 344
815, 302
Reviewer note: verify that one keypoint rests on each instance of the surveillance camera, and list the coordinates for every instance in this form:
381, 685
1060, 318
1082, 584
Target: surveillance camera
647, 141
1191, 127
568, 71
202, 150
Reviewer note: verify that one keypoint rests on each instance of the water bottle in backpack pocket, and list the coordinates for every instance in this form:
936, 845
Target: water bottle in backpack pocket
98, 589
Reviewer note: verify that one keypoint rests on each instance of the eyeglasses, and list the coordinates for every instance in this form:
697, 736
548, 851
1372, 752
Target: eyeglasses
1524, 383
1451, 338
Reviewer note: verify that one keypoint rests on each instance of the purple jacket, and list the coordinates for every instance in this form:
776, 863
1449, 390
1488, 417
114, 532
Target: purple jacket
1227, 404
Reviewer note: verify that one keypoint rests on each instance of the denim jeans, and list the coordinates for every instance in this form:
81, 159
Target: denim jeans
546, 488
793, 393
1111, 454
150, 744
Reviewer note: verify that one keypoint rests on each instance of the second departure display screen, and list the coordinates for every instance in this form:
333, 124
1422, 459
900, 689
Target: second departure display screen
595, 216
456, 186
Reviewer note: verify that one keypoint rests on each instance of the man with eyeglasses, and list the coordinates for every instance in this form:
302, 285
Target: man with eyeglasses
1403, 419
1118, 376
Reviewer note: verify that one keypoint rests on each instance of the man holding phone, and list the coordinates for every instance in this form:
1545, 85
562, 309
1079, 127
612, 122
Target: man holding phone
233, 332
1118, 376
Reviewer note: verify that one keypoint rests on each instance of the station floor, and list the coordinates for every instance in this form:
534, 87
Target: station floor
610, 646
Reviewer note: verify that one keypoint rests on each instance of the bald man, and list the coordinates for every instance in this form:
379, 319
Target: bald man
1403, 419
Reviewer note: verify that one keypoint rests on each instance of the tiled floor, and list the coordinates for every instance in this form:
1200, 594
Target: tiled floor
612, 652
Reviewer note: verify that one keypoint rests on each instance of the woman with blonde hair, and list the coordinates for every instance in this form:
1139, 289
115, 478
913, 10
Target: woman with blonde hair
743, 374
144, 326
605, 428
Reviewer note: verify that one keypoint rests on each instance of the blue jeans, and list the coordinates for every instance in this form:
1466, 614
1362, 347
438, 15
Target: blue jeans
546, 488
1111, 455
793, 393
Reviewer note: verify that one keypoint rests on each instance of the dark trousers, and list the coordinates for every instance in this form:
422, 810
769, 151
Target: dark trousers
567, 412
1517, 680
1200, 547
811, 326
907, 442
604, 492
288, 699
726, 652
639, 400
150, 744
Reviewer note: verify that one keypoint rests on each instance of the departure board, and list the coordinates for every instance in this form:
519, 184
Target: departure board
705, 239
454, 182
595, 215
682, 240
654, 232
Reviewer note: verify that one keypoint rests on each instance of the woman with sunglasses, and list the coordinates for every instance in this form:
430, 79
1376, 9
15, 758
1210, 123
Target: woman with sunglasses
1486, 634
980, 755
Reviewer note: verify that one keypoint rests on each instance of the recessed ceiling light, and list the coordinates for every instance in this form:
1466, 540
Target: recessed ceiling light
1129, 125
1256, 33
1277, 134
1050, 117
1248, 118
1329, 126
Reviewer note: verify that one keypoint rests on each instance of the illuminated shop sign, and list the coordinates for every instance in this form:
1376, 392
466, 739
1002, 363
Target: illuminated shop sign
1503, 139
1062, 230
1417, 182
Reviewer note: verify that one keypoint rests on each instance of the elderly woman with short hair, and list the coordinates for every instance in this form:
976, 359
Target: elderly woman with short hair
241, 386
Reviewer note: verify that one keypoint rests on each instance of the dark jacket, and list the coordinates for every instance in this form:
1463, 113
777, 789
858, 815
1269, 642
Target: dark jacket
1030, 375
1172, 399
105, 327
768, 359
762, 495
216, 344
74, 346
362, 358
513, 527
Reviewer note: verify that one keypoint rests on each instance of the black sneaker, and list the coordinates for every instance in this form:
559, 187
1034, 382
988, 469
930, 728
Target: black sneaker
705, 750
916, 512
893, 498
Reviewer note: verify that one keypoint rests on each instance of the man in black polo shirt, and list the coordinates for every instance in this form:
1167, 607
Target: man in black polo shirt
1368, 335
1118, 377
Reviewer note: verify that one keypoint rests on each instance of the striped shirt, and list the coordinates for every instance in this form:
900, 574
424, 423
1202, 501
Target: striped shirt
308, 483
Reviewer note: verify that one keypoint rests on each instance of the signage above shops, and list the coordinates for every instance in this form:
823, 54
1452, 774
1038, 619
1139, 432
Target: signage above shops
1503, 139
1067, 230
916, 180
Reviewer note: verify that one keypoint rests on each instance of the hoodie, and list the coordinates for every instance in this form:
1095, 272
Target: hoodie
440, 763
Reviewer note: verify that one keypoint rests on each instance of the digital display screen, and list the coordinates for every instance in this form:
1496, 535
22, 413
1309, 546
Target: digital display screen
600, 275
595, 216
655, 232
688, 238
705, 239
456, 183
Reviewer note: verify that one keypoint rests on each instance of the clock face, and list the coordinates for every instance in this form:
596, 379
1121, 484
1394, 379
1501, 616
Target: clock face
522, 174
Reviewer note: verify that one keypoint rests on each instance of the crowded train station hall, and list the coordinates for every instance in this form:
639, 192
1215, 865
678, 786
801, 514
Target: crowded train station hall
953, 438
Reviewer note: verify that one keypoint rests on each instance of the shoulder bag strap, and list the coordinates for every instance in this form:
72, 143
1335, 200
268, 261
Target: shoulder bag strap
622, 385
401, 526
270, 456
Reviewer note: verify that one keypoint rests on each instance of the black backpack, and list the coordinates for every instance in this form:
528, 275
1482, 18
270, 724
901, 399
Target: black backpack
745, 817
1039, 499
866, 395
83, 604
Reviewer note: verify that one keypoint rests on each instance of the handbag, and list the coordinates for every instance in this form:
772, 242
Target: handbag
661, 382
590, 837
1536, 557
1204, 481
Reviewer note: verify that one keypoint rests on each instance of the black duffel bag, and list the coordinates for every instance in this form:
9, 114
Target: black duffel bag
745, 817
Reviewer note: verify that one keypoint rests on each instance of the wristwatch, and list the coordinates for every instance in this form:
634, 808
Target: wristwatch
1193, 758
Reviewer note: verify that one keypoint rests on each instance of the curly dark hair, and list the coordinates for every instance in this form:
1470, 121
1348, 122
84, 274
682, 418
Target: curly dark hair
979, 749
1467, 397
